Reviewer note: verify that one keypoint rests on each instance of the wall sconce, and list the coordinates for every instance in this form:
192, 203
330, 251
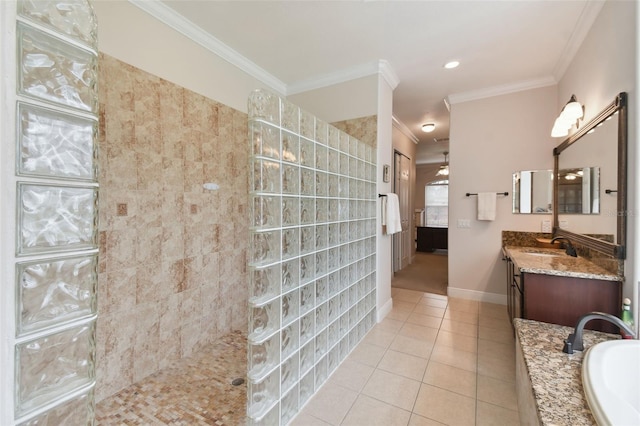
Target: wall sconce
570, 114
428, 127
444, 169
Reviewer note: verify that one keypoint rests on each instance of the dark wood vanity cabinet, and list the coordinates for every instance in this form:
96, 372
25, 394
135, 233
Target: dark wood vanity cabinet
563, 300
430, 239
560, 299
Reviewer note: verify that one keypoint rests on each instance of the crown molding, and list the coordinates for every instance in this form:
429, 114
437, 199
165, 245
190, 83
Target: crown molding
583, 26
187, 28
381, 67
404, 129
505, 89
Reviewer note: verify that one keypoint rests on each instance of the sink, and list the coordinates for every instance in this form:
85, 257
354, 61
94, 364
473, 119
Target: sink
611, 381
541, 253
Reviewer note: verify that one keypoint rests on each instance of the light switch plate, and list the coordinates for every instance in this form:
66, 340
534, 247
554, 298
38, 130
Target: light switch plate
464, 223
564, 224
546, 226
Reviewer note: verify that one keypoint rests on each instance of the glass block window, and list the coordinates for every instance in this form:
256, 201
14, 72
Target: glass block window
312, 277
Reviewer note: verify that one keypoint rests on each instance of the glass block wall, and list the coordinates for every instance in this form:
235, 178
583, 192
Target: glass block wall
311, 262
56, 191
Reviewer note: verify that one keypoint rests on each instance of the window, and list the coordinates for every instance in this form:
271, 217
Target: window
436, 197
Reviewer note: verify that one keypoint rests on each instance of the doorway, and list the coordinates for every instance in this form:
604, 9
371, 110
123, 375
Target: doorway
401, 186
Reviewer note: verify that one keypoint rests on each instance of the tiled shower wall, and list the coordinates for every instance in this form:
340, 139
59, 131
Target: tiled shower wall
172, 271
312, 256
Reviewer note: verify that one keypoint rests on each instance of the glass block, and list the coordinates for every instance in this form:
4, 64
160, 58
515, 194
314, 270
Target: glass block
307, 124
265, 211
333, 258
290, 114
333, 309
307, 327
333, 161
290, 342
290, 147
290, 211
56, 217
307, 387
307, 210
353, 167
321, 317
333, 280
265, 106
55, 291
321, 290
321, 184
75, 19
333, 185
272, 417
333, 333
307, 182
307, 302
321, 157
265, 176
307, 153
344, 142
265, 140
344, 348
333, 234
55, 71
263, 394
290, 274
322, 205
334, 137
290, 306
344, 236
55, 144
54, 365
333, 359
321, 237
77, 411
263, 357
290, 371
321, 263
307, 239
289, 405
343, 214
290, 179
321, 373
290, 243
307, 268
333, 211
322, 129
344, 307
307, 357
265, 247
264, 321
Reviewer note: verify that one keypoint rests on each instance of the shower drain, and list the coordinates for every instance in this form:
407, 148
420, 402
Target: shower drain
237, 382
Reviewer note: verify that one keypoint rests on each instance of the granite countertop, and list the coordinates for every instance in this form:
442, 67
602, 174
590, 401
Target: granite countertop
556, 377
534, 260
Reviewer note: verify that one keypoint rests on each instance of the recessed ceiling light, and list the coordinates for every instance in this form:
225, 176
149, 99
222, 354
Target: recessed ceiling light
428, 127
451, 65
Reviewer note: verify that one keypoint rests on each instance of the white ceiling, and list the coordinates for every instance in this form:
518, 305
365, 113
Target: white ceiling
503, 46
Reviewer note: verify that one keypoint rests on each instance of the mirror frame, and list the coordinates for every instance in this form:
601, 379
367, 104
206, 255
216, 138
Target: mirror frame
617, 249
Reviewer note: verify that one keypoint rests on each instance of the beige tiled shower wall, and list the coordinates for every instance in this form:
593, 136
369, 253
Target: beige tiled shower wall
172, 273
364, 128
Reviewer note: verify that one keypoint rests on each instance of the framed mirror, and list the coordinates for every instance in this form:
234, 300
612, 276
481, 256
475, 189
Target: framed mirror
579, 191
602, 145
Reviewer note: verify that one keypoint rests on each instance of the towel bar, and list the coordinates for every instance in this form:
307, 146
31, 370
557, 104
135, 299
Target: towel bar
498, 193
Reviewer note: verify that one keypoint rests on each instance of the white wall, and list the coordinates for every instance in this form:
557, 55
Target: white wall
605, 65
489, 140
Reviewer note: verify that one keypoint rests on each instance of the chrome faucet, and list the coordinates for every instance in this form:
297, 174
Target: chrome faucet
571, 250
574, 341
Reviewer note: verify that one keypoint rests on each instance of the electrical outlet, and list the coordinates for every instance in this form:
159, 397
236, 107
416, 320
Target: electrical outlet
464, 223
546, 226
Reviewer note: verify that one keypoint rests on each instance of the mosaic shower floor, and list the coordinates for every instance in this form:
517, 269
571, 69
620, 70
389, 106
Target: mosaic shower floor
193, 391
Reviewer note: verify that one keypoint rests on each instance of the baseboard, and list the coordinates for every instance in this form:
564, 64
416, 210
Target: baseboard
384, 310
481, 296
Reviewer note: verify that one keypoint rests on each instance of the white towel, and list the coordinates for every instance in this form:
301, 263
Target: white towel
486, 206
392, 211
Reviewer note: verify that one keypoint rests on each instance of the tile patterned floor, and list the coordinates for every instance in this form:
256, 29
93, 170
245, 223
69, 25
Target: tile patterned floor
434, 360
193, 391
